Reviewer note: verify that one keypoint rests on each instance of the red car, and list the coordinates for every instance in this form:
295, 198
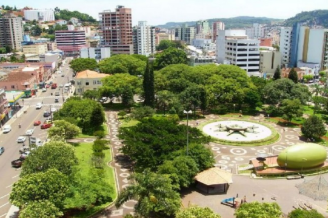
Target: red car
47, 86
46, 125
36, 123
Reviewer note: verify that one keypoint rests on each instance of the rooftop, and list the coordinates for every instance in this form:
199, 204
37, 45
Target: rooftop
90, 74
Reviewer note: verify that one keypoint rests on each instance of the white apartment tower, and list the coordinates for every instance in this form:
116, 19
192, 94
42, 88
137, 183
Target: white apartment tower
145, 39
11, 31
233, 47
285, 44
216, 26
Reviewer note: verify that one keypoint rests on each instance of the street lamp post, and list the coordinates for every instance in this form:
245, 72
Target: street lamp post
303, 160
234, 108
187, 112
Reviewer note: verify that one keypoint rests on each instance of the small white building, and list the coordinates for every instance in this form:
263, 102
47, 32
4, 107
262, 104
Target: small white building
88, 80
98, 53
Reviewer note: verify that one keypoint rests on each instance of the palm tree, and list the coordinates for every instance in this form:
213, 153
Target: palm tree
316, 89
155, 195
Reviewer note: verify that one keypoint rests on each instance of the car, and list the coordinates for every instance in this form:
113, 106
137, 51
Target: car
48, 121
61, 86
38, 105
2, 150
36, 123
46, 114
50, 83
46, 125
6, 128
29, 132
62, 75
21, 139
24, 149
44, 90
53, 109
17, 163
25, 154
56, 93
48, 86
56, 100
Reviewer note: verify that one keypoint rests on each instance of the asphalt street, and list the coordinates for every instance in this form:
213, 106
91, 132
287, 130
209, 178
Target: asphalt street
10, 175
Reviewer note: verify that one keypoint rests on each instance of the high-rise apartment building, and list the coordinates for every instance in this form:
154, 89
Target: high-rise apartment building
185, 33
39, 15
70, 41
233, 47
216, 26
11, 31
117, 30
285, 41
294, 45
256, 31
202, 27
144, 39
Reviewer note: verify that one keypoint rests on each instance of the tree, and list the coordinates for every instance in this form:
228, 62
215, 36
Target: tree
91, 94
258, 210
81, 64
299, 213
293, 75
252, 98
313, 127
64, 129
148, 86
196, 212
127, 97
142, 112
50, 185
165, 44
194, 97
170, 56
291, 109
165, 99
316, 89
42, 209
152, 141
123, 64
53, 155
181, 170
155, 195
277, 73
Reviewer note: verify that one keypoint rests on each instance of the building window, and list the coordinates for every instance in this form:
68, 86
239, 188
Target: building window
98, 82
78, 83
79, 90
13, 86
87, 83
94, 82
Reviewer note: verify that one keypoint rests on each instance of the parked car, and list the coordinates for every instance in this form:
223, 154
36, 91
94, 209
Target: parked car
47, 121
17, 163
44, 90
25, 154
53, 85
36, 123
29, 132
48, 86
53, 109
23, 150
2, 150
6, 128
61, 86
46, 114
56, 93
38, 105
56, 100
21, 139
46, 125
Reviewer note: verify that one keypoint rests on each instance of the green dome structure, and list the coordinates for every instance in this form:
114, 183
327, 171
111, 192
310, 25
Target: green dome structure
302, 156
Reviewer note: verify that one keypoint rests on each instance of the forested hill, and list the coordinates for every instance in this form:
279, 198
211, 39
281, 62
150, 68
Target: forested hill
230, 23
66, 15
317, 17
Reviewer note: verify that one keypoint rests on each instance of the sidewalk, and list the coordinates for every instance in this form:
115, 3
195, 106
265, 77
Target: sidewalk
16, 116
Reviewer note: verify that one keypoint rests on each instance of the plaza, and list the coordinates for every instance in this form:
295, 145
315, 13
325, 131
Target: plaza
236, 158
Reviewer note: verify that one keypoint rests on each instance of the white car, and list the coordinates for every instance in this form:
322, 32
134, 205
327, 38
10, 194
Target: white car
6, 128
38, 106
53, 109
44, 90
21, 139
29, 132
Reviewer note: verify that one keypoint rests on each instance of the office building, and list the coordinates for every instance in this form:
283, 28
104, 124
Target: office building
233, 47
185, 33
11, 31
70, 42
39, 15
98, 53
294, 45
216, 26
37, 49
269, 61
144, 39
116, 29
202, 27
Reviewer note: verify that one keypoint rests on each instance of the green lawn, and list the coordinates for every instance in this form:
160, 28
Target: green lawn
83, 152
128, 122
90, 134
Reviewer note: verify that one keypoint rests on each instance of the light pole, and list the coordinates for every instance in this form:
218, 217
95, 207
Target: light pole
234, 108
187, 112
303, 160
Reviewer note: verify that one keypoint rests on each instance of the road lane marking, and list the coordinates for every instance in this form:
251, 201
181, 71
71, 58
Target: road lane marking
5, 196
9, 186
4, 204
3, 215
15, 176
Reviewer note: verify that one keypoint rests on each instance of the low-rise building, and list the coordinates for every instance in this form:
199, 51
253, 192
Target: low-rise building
37, 49
70, 41
269, 61
88, 80
96, 53
3, 107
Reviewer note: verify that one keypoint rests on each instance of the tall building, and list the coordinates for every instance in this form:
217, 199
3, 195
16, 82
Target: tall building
95, 53
116, 29
233, 47
185, 33
294, 45
216, 26
285, 40
11, 31
202, 27
70, 41
144, 39
256, 31
39, 15
269, 61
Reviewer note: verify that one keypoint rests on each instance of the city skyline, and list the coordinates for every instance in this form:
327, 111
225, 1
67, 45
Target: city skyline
181, 11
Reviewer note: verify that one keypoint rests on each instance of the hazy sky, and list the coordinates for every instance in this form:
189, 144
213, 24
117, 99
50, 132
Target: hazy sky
162, 11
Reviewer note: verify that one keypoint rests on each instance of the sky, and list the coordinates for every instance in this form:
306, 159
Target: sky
157, 12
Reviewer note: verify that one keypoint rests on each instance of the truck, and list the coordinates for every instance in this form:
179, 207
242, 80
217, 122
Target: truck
54, 86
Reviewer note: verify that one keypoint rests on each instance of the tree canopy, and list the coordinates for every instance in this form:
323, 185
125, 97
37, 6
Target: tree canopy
170, 56
64, 129
123, 63
196, 212
165, 44
81, 64
41, 209
67, 15
291, 109
300, 213
293, 75
258, 210
313, 127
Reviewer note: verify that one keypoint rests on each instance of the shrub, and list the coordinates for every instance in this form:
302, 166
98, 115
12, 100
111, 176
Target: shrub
99, 134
